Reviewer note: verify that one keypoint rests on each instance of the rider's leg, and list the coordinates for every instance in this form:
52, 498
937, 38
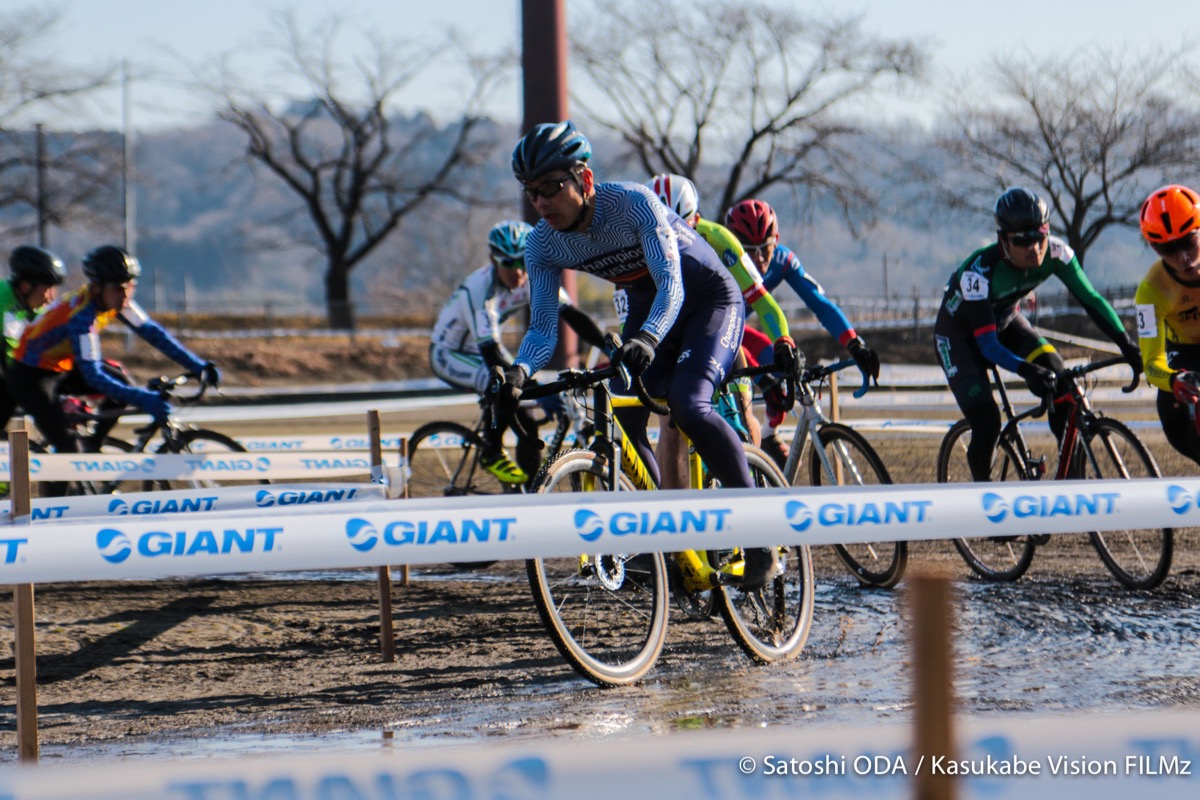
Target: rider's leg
34, 389
1021, 338
1177, 425
967, 374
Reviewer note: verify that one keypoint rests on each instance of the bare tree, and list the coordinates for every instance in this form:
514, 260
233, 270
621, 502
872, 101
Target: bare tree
760, 92
49, 177
1092, 132
355, 169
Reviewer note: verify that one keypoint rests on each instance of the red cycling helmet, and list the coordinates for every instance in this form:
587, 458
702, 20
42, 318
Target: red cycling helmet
753, 222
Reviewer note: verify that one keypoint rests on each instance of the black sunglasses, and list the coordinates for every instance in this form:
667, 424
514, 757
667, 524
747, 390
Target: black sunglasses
1027, 238
1174, 248
511, 263
546, 189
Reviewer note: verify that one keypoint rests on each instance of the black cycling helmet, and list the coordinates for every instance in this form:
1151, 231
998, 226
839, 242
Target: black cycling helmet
110, 264
549, 147
36, 265
1019, 209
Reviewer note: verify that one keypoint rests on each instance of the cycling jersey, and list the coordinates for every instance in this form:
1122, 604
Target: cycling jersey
1168, 317
634, 241
16, 316
67, 334
756, 295
786, 266
472, 317
983, 294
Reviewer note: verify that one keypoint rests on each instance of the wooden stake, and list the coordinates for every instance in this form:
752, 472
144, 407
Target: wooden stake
387, 637
404, 495
933, 683
25, 643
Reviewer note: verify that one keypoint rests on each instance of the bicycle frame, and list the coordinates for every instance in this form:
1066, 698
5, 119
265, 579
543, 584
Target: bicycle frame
808, 420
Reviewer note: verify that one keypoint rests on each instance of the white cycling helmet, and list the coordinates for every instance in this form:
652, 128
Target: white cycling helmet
678, 194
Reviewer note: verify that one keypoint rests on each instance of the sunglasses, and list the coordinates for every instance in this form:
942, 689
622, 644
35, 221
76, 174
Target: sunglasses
1174, 248
546, 189
1027, 238
759, 248
510, 263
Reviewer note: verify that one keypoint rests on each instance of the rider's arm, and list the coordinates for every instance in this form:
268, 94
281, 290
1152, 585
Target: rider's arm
537, 346
158, 336
749, 281
1152, 335
85, 342
830, 315
1098, 309
652, 222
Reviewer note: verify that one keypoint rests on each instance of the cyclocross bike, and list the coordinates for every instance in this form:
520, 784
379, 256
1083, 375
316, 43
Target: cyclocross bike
607, 612
1092, 447
842, 457
167, 436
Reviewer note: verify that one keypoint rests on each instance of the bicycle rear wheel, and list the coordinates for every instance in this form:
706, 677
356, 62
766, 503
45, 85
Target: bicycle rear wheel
853, 462
201, 442
993, 558
1140, 559
770, 624
606, 613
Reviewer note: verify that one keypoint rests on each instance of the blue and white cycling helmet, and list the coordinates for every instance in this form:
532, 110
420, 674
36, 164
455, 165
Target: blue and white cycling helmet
507, 241
548, 147
677, 193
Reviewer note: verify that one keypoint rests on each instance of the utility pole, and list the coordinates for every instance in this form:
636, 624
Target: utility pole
544, 83
39, 147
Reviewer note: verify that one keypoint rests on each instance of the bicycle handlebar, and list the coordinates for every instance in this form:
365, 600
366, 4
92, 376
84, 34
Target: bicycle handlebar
1067, 377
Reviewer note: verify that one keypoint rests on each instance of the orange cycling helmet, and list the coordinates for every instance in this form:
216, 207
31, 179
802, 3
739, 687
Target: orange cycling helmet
1170, 213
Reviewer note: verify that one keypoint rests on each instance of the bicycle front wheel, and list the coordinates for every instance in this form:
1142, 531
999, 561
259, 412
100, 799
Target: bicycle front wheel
444, 459
606, 612
993, 558
849, 460
202, 442
770, 624
1140, 559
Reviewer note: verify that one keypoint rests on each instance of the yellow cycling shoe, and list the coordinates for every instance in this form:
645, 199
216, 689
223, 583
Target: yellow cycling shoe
505, 470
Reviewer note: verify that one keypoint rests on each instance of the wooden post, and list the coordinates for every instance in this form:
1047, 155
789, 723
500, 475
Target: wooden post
387, 638
404, 581
25, 643
835, 414
933, 682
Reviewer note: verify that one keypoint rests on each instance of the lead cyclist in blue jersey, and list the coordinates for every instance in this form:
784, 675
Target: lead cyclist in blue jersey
684, 324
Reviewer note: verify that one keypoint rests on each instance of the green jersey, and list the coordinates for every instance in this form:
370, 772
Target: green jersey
734, 257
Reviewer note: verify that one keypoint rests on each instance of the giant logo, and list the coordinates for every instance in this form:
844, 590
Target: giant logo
1181, 500
124, 466
11, 548
363, 535
212, 463
591, 525
298, 497
116, 546
997, 509
173, 505
906, 512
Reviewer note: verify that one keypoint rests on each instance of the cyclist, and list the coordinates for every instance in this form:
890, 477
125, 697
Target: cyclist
1168, 311
679, 194
63, 342
35, 275
980, 321
466, 344
685, 318
757, 228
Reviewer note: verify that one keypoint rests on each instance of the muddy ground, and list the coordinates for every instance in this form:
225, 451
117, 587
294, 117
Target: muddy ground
175, 667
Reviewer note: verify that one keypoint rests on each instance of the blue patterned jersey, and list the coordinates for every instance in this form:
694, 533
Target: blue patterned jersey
633, 241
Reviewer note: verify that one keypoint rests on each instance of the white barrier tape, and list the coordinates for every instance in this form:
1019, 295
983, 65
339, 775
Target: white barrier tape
192, 466
1147, 756
193, 501
512, 527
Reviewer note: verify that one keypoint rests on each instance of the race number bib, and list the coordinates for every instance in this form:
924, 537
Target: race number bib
1147, 321
621, 304
974, 286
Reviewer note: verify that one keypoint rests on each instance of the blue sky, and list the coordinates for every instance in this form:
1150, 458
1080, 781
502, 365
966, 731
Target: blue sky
960, 34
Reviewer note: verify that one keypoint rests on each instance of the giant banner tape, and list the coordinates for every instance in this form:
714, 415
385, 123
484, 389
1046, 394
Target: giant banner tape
1147, 756
196, 501
224, 466
503, 527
